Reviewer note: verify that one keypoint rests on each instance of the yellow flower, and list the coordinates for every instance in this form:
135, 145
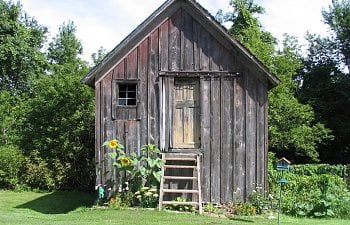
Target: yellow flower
125, 161
113, 143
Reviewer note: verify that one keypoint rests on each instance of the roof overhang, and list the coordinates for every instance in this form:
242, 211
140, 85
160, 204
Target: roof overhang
156, 18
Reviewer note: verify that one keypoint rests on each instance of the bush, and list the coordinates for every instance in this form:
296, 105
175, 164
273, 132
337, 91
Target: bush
314, 191
36, 172
11, 160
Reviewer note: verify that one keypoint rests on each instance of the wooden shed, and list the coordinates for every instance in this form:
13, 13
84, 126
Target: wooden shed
179, 80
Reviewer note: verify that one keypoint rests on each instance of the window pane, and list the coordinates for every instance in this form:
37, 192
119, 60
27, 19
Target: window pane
122, 101
131, 101
131, 94
122, 94
127, 94
122, 87
132, 87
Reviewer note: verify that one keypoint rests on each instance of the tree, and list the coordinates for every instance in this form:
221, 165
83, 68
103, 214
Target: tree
338, 19
293, 131
21, 39
325, 84
98, 56
293, 128
64, 51
58, 133
326, 87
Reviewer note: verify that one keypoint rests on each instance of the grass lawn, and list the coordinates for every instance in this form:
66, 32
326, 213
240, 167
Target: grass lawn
74, 208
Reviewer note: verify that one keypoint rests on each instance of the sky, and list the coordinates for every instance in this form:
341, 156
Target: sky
106, 23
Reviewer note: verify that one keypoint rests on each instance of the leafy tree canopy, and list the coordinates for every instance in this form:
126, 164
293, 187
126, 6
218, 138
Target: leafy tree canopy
293, 130
21, 40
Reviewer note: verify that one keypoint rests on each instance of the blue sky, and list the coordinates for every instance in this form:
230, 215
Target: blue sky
105, 23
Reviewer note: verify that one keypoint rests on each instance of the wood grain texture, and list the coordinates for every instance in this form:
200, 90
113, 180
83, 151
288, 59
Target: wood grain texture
232, 111
205, 138
227, 137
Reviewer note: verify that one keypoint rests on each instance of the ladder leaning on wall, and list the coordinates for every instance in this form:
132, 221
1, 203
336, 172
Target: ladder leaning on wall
173, 162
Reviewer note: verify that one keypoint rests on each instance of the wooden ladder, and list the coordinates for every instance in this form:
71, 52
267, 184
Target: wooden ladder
175, 158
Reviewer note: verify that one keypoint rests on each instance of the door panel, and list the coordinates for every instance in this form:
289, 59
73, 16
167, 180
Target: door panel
186, 126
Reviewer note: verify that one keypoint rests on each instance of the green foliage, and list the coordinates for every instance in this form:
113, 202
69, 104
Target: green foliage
12, 111
21, 39
248, 30
59, 126
326, 87
212, 207
37, 172
98, 56
181, 208
64, 50
313, 191
293, 130
337, 17
258, 199
147, 197
11, 160
146, 166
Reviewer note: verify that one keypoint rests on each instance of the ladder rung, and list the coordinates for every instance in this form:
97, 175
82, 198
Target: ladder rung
180, 191
180, 159
179, 178
179, 203
179, 167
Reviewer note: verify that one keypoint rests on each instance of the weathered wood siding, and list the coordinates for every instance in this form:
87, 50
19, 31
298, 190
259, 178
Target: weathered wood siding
233, 110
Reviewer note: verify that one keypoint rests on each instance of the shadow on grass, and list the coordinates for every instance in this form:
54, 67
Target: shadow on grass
59, 202
242, 220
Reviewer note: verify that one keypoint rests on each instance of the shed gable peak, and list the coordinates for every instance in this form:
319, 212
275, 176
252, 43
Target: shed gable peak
175, 10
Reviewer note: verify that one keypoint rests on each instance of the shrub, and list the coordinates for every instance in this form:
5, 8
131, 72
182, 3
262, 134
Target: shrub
147, 197
11, 160
36, 172
314, 191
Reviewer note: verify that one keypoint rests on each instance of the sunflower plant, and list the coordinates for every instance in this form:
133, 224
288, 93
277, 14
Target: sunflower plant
147, 166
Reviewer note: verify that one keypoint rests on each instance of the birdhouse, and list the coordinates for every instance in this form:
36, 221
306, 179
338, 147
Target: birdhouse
283, 164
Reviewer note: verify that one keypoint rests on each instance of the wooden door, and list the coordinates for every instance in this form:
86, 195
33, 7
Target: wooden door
186, 122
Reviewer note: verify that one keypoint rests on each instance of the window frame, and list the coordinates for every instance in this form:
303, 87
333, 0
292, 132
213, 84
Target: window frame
116, 91
128, 91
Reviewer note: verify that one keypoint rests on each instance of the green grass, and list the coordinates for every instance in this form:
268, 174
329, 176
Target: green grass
74, 208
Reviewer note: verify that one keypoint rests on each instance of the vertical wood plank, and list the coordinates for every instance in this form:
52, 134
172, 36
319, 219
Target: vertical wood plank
260, 154
175, 41
215, 55
142, 104
153, 98
131, 65
204, 40
227, 139
251, 137
98, 142
164, 46
196, 49
266, 147
187, 39
215, 137
119, 70
131, 136
205, 137
107, 126
169, 107
239, 138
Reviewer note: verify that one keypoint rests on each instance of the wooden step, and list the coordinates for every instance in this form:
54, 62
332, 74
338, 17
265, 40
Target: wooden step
179, 167
180, 159
179, 178
176, 159
179, 203
184, 191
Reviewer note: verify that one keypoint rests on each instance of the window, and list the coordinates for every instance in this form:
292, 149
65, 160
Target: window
127, 95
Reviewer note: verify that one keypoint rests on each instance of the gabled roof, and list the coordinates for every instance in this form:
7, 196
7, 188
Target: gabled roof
165, 10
